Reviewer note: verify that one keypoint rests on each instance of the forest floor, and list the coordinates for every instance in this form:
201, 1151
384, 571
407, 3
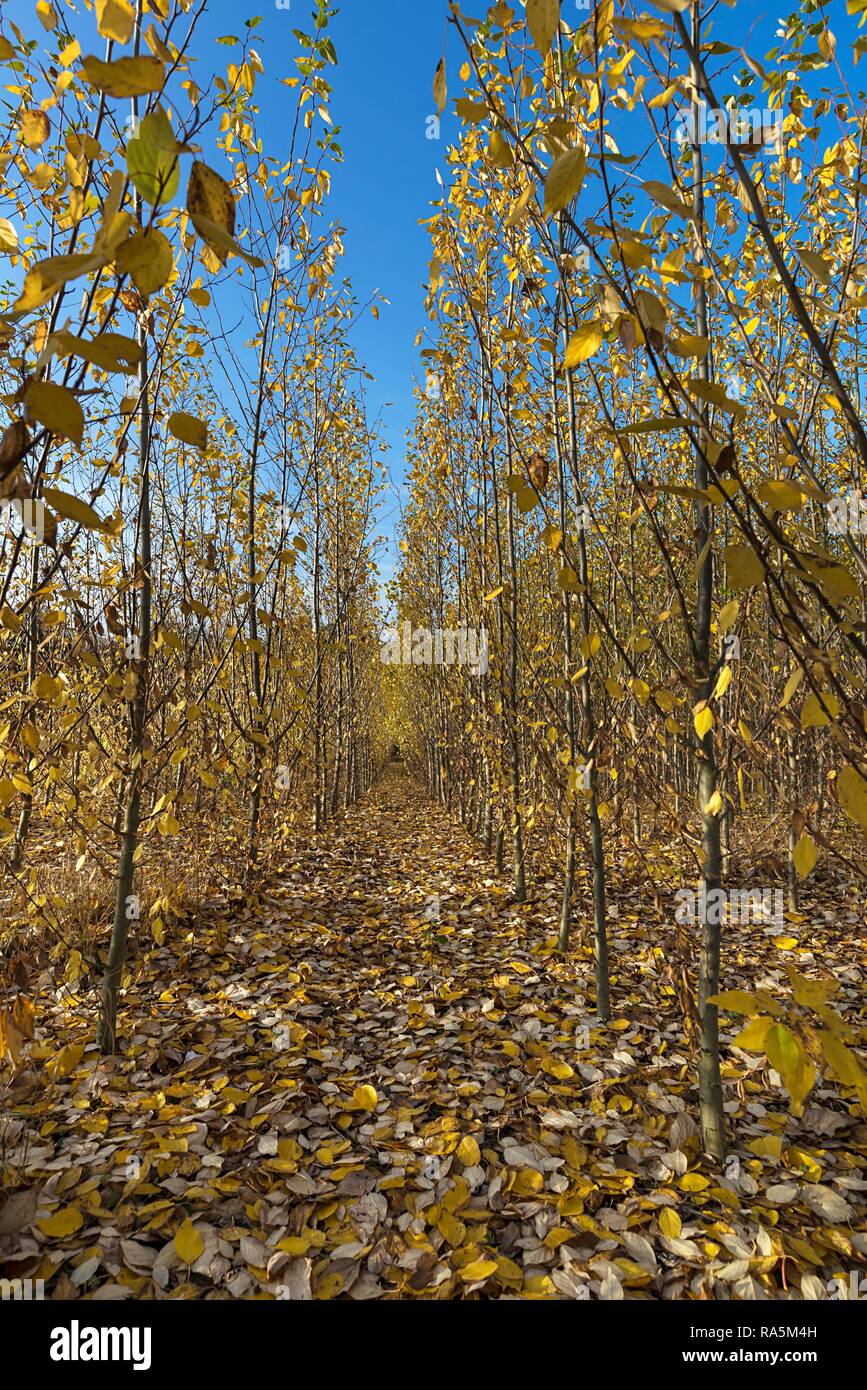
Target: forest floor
381, 1080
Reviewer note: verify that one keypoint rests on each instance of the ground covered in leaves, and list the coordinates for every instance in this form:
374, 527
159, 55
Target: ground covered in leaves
380, 1080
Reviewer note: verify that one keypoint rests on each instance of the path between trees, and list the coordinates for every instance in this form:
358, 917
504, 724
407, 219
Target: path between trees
382, 1081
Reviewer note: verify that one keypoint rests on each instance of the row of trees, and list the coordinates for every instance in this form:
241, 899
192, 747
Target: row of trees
188, 580
640, 429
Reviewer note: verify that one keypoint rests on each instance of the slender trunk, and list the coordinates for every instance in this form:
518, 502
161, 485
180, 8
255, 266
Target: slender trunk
709, 1079
126, 906
32, 667
791, 872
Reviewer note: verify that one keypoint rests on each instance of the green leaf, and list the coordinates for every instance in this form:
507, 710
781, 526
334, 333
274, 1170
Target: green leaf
152, 159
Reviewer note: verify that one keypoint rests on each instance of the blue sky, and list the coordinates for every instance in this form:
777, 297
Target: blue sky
387, 54
382, 98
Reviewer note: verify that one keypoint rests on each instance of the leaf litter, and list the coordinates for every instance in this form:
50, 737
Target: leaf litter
379, 1079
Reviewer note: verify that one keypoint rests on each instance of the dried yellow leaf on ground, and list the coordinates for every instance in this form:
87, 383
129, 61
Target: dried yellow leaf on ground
64, 1222
189, 1243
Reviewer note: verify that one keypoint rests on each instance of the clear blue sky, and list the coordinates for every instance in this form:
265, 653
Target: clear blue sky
388, 52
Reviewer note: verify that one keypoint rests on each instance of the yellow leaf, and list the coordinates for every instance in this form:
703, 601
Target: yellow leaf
787, 1056
46, 688
586, 340
690, 345
743, 567
125, 77
752, 1038
211, 204
670, 1223
294, 1245
440, 86
852, 795
526, 497
805, 856
817, 267
564, 180
499, 151
66, 58
46, 278
737, 1001
115, 19
723, 683
813, 994
703, 721
768, 1146
113, 352
527, 1183
47, 15
364, 1098
189, 1243
454, 1230
693, 1182
843, 1063
152, 158
188, 429
473, 112
662, 194
468, 1151
65, 1062
35, 128
838, 582
73, 509
147, 257
792, 685
479, 1269
543, 21
519, 209
64, 1222
8, 235
782, 495
728, 616
817, 713
56, 408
